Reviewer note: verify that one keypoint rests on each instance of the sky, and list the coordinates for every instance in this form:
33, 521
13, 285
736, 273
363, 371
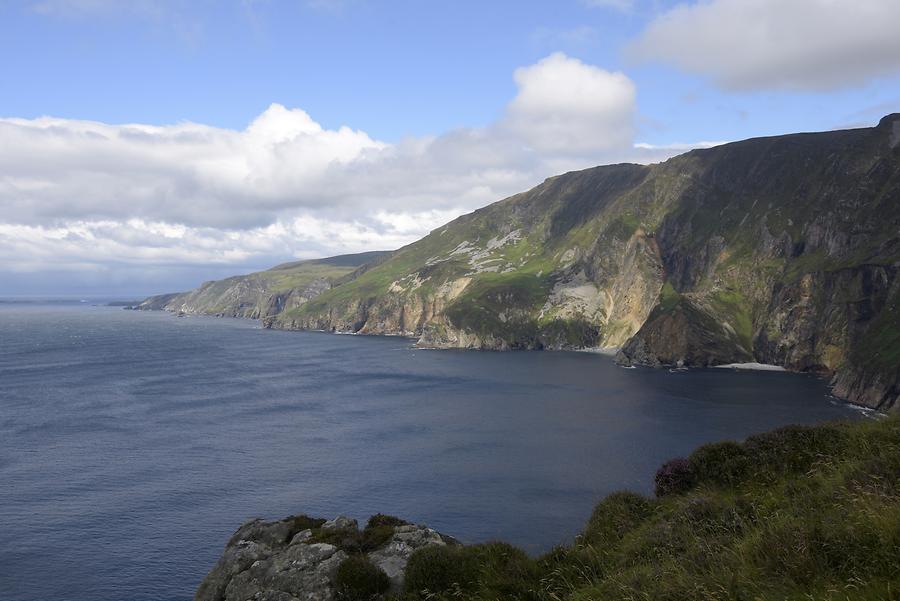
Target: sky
147, 146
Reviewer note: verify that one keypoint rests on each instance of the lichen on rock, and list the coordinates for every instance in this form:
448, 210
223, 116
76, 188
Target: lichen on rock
287, 560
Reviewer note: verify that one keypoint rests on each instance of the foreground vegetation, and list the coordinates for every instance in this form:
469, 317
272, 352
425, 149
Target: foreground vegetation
797, 513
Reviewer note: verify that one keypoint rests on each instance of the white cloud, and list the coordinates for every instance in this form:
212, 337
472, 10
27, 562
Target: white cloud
679, 146
773, 44
83, 193
565, 106
82, 244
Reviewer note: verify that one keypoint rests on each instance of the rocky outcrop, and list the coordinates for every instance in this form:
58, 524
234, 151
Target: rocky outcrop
297, 558
687, 334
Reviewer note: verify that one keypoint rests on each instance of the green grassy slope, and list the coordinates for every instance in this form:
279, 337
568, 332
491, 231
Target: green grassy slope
798, 513
492, 273
252, 295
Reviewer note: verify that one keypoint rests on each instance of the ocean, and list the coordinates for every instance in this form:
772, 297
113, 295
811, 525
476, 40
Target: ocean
133, 444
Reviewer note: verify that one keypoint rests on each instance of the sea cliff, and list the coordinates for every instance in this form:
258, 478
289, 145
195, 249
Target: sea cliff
782, 250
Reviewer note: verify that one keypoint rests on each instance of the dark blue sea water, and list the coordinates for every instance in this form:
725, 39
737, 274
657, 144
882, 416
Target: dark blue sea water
133, 444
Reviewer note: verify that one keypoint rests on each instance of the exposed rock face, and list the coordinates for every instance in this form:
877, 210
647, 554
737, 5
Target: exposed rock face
779, 250
283, 560
258, 295
688, 334
393, 557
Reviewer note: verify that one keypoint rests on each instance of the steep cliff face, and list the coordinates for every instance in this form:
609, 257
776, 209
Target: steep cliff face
556, 267
793, 245
780, 250
263, 293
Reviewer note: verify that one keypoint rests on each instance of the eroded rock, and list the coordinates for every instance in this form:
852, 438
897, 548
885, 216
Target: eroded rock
272, 561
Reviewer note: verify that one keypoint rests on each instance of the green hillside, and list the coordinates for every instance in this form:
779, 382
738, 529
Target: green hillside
798, 513
780, 250
259, 294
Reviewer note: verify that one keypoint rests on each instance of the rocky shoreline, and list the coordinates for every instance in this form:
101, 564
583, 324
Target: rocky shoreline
865, 388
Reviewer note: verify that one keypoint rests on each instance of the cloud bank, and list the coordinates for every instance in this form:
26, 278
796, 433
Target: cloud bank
772, 44
89, 196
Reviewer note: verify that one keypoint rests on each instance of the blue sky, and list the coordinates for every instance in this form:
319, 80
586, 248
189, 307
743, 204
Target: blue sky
391, 68
424, 85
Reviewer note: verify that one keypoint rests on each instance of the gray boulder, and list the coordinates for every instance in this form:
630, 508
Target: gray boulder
393, 557
288, 560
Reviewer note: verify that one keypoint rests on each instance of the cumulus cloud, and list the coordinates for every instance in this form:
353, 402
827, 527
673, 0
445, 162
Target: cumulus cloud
80, 194
567, 107
772, 44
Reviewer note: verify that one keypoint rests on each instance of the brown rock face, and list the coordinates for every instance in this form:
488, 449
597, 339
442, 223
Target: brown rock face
686, 335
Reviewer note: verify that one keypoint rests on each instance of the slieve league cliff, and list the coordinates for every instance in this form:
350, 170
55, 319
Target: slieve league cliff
782, 250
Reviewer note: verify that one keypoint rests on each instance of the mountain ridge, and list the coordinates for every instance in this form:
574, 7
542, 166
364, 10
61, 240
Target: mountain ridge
783, 249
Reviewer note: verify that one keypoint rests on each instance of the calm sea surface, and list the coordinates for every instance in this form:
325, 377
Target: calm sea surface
133, 444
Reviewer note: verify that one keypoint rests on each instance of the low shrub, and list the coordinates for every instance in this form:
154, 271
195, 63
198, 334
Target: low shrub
794, 449
381, 519
302, 522
674, 477
720, 464
615, 516
378, 531
504, 572
346, 539
440, 569
358, 579
487, 571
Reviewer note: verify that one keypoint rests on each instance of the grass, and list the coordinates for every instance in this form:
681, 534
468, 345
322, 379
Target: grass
480, 307
624, 226
378, 531
286, 279
799, 513
247, 294
668, 298
879, 350
732, 305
